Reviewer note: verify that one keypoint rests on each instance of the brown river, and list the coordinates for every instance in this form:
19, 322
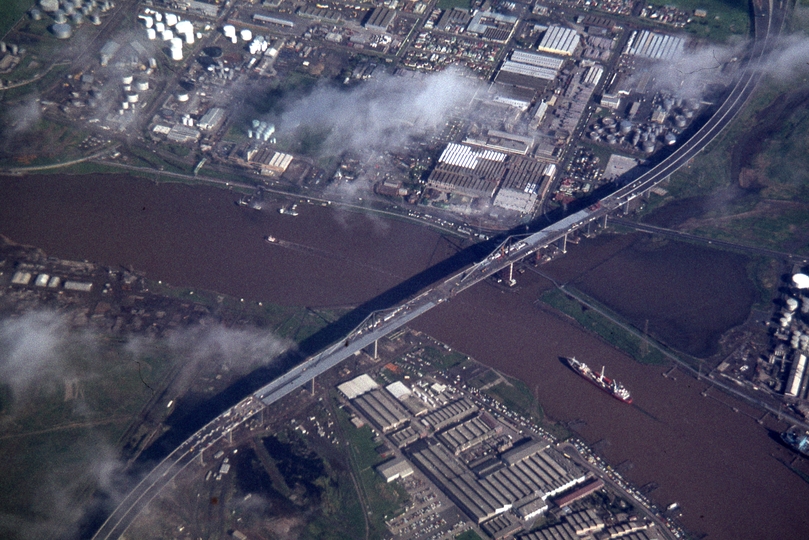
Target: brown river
729, 475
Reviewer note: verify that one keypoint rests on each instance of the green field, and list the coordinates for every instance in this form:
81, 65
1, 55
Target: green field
10, 13
449, 4
597, 323
725, 18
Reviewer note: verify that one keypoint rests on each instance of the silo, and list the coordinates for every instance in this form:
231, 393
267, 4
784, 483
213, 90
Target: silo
171, 19
246, 35
141, 85
150, 33
148, 21
62, 30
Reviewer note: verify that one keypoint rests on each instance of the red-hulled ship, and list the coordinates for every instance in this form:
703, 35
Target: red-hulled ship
613, 387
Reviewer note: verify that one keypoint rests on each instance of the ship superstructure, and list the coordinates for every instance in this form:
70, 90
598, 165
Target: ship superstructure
611, 386
797, 439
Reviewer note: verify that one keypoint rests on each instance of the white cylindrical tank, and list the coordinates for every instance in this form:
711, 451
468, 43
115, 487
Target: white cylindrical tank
166, 35
158, 16
141, 85
246, 35
160, 27
148, 22
792, 304
125, 105
127, 79
229, 30
176, 43
171, 19
176, 54
132, 98
801, 281
151, 34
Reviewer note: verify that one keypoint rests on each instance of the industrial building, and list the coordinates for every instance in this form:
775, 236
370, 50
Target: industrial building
449, 414
470, 433
529, 474
395, 469
524, 181
380, 19
559, 40
492, 26
183, 134
654, 46
536, 59
380, 407
468, 171
211, 119
798, 379
358, 386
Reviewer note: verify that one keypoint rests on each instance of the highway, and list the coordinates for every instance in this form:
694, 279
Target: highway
381, 323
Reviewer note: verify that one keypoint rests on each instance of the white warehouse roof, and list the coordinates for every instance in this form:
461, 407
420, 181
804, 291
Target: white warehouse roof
358, 386
559, 40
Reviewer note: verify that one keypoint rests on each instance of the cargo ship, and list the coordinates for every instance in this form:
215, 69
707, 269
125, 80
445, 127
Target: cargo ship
797, 439
611, 386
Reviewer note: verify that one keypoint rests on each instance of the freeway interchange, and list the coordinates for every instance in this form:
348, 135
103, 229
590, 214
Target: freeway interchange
382, 323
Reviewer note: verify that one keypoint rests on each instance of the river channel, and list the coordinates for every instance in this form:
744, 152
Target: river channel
729, 475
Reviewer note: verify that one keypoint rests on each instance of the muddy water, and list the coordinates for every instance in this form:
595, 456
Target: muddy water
723, 468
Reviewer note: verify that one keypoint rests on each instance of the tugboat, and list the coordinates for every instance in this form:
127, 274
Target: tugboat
271, 239
797, 439
611, 386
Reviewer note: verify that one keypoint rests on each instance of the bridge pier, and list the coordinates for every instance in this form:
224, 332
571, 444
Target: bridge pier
564, 243
376, 354
511, 281
605, 221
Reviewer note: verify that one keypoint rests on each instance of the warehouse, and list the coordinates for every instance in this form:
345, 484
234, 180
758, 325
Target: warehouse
468, 171
395, 469
535, 59
468, 434
536, 72
654, 46
492, 26
382, 410
559, 40
449, 414
405, 436
358, 386
210, 120
523, 183
380, 19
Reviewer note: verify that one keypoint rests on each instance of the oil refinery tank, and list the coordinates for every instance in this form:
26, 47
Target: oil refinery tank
35, 14
77, 18
625, 126
62, 30
648, 146
669, 138
680, 121
59, 16
246, 35
141, 85
801, 281
49, 6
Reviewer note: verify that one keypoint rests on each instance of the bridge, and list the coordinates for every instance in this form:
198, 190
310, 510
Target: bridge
511, 251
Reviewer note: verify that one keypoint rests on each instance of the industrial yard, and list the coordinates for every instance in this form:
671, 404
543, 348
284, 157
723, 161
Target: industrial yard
183, 87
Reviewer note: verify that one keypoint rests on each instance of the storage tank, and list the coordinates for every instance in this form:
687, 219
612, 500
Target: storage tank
150, 32
59, 17
132, 98
626, 127
801, 281
95, 19
171, 19
77, 18
680, 121
49, 6
166, 35
182, 96
35, 14
127, 79
229, 30
62, 30
148, 22
246, 35
176, 54
141, 85
669, 138
648, 146
160, 27
792, 304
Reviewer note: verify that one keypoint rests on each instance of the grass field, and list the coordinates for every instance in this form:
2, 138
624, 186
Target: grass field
10, 13
597, 323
